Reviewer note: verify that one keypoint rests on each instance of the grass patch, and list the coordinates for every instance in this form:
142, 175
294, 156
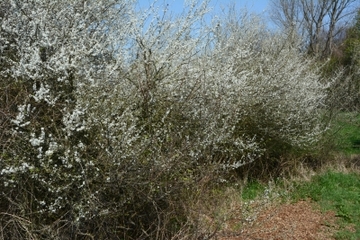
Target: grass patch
347, 133
252, 190
338, 192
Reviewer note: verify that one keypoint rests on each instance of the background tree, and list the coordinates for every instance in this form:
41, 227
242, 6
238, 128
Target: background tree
346, 59
316, 20
351, 45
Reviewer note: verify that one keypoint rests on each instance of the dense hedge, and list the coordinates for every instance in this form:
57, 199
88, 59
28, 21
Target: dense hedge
114, 120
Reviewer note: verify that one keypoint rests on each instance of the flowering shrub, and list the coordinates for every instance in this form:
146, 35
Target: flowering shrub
121, 114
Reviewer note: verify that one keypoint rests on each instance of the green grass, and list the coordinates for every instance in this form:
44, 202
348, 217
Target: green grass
338, 192
252, 190
347, 133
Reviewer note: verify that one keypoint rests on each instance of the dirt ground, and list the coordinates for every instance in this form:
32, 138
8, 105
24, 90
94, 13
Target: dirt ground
298, 220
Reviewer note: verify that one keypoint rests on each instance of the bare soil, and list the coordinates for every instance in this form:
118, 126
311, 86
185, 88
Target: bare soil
301, 220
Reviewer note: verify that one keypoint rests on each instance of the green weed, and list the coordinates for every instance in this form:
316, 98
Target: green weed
252, 190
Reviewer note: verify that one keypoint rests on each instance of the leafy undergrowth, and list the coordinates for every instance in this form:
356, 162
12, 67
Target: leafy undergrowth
252, 190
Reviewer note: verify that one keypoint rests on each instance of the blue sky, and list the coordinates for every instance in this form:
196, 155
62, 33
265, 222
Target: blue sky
257, 6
